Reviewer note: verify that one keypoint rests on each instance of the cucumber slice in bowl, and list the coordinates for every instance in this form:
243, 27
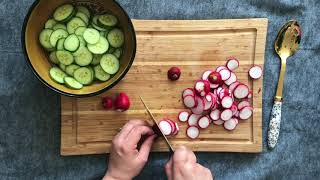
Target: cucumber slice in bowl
60, 45
100, 47
56, 35
71, 68
74, 23
83, 75
63, 12
116, 38
100, 74
59, 26
72, 83
91, 36
82, 41
109, 63
80, 30
96, 59
83, 16
83, 56
62, 67
84, 10
50, 24
53, 57
107, 20
44, 38
71, 43
57, 75
65, 57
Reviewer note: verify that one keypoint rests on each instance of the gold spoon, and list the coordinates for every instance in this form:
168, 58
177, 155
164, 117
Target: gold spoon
287, 43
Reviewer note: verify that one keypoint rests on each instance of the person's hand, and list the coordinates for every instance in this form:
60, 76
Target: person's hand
183, 166
126, 161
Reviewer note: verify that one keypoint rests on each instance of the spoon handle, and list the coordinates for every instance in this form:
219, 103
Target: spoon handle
274, 125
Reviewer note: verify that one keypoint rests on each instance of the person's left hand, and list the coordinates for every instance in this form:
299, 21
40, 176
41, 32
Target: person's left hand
126, 161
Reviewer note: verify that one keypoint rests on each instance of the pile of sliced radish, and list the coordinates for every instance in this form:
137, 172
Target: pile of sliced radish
168, 127
217, 98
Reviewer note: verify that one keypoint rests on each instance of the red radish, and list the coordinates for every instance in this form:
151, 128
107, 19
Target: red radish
245, 113
107, 102
230, 124
193, 119
176, 129
250, 95
215, 115
165, 127
200, 106
243, 104
215, 106
233, 86
188, 91
226, 102
213, 99
193, 132
219, 68
206, 74
202, 87
189, 101
174, 73
218, 90
172, 124
255, 72
226, 114
213, 86
122, 102
215, 78
236, 114
183, 116
236, 120
204, 122
218, 122
207, 104
241, 91
234, 108
208, 97
233, 78
225, 74
232, 63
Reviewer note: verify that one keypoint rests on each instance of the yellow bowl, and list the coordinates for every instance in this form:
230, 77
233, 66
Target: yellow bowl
37, 58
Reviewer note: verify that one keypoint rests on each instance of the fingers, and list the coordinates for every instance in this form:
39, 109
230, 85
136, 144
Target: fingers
184, 155
145, 148
168, 169
129, 125
135, 134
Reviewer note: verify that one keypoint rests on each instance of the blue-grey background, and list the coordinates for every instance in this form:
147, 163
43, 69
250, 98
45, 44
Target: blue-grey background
29, 112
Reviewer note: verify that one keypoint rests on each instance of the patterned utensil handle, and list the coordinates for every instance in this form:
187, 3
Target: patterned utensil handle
274, 125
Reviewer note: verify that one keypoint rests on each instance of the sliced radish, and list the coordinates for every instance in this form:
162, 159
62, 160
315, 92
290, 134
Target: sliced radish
204, 122
226, 102
165, 127
188, 91
206, 74
226, 114
245, 113
255, 72
183, 116
243, 104
250, 95
225, 74
213, 99
207, 104
215, 114
218, 90
233, 86
215, 106
190, 101
202, 87
241, 91
233, 78
232, 63
200, 106
193, 119
193, 132
213, 86
208, 97
230, 125
234, 108
219, 68
172, 124
176, 129
218, 122
236, 120
236, 114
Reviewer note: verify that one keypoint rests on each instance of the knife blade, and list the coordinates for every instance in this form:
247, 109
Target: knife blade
157, 126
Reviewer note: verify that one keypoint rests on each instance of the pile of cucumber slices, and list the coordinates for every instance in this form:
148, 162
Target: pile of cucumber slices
83, 47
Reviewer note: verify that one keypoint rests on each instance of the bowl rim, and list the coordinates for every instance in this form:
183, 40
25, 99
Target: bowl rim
25, 22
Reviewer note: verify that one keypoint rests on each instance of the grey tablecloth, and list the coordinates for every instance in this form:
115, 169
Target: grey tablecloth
29, 112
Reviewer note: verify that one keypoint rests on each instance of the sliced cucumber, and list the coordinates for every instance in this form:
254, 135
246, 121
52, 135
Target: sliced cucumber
83, 16
95, 25
83, 75
53, 57
80, 30
91, 35
56, 35
44, 38
60, 43
65, 57
72, 83
74, 23
83, 56
116, 38
62, 67
59, 26
100, 74
117, 53
50, 24
57, 75
71, 68
84, 10
82, 41
63, 12
111, 50
109, 63
103, 33
96, 59
92, 71
71, 43
100, 47
107, 20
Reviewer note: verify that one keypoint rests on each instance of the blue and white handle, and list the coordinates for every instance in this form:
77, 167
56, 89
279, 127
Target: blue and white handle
274, 125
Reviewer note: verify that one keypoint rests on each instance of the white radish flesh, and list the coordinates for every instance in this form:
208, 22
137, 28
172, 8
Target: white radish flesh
243, 104
232, 64
218, 122
225, 74
226, 114
176, 129
233, 86
206, 74
193, 119
226, 102
255, 72
187, 92
202, 87
204, 122
193, 132
165, 127
236, 120
189, 101
200, 106
241, 91
219, 68
215, 115
250, 95
230, 124
233, 78
183, 116
173, 126
245, 113
213, 86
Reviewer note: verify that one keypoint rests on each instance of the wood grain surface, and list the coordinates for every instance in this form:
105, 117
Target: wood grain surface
194, 46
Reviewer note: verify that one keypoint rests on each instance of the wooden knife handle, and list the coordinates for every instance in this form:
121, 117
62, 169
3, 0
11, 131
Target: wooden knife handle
274, 125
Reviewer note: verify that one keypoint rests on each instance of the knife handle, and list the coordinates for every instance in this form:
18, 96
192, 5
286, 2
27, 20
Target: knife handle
274, 125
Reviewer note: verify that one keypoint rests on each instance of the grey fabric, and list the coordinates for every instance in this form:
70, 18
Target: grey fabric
29, 112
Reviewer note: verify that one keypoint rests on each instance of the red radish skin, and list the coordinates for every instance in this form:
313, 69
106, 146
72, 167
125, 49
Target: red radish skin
255, 72
204, 122
188, 91
193, 119
165, 127
219, 68
214, 86
218, 90
177, 129
218, 122
215, 115
207, 104
233, 86
226, 114
236, 114
174, 73
230, 125
215, 78
236, 120
200, 106
250, 95
172, 124
225, 74
183, 116
245, 113
226, 102
243, 104
107, 103
208, 97
202, 87
233, 78
206, 74
241, 91
122, 102
189, 101
232, 63
234, 108
193, 132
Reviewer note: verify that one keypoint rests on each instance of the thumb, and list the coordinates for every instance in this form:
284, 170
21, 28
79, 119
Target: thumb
146, 147
168, 169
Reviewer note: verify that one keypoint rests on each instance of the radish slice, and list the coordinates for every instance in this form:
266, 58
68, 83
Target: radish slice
250, 95
209, 97
183, 116
226, 102
165, 127
172, 124
202, 87
218, 122
218, 90
206, 74
193, 119
226, 114
204, 122
234, 108
243, 104
213, 99
215, 106
241, 91
176, 129
236, 114
233, 86
188, 91
245, 113
233, 78
207, 104
232, 64
193, 132
236, 120
230, 125
225, 74
213, 86
255, 72
215, 115
219, 68
200, 106
189, 101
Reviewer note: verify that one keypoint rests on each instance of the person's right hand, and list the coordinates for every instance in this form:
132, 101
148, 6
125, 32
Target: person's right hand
183, 166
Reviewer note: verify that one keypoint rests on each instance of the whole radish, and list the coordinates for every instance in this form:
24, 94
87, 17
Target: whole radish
174, 73
122, 102
215, 78
107, 102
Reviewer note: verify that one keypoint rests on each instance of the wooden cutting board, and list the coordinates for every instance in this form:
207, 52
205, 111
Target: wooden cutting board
194, 46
